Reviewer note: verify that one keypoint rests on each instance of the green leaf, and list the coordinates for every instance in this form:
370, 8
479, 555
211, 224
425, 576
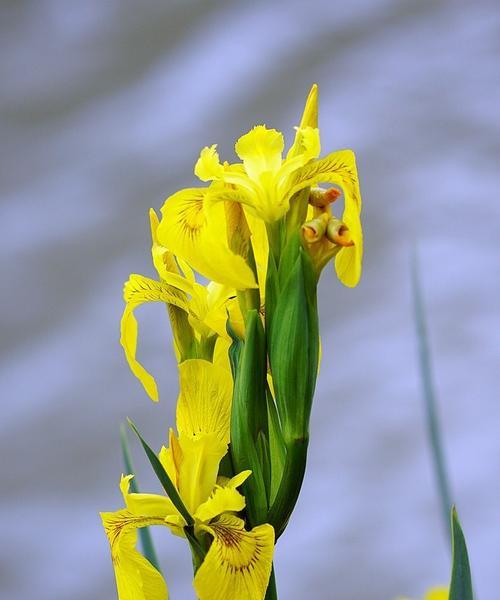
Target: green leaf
249, 417
429, 396
234, 349
162, 475
198, 553
144, 533
294, 348
277, 449
461, 581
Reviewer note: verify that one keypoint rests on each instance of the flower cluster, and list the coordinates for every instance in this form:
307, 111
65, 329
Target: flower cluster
247, 343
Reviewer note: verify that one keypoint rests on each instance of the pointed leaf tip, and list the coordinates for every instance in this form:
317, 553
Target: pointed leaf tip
461, 580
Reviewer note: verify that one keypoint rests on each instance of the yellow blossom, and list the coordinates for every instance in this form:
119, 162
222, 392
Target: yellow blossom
238, 562
196, 311
264, 182
435, 593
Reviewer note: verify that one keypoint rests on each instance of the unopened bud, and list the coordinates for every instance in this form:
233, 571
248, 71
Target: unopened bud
321, 198
338, 233
315, 229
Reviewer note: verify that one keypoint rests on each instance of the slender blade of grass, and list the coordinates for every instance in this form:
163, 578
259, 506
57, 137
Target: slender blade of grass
429, 395
162, 475
144, 533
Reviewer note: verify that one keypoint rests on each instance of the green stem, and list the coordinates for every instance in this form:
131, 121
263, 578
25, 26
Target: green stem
272, 593
430, 397
274, 239
291, 482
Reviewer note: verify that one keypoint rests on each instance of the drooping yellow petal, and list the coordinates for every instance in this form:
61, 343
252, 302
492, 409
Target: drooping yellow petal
138, 290
147, 505
204, 404
238, 564
339, 168
260, 150
197, 234
136, 578
224, 498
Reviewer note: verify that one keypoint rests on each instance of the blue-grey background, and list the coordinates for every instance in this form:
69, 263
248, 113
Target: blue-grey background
104, 108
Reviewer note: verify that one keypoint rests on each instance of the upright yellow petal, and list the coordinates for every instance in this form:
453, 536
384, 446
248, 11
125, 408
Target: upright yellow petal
260, 150
197, 234
136, 578
204, 404
137, 291
208, 166
309, 119
198, 467
238, 564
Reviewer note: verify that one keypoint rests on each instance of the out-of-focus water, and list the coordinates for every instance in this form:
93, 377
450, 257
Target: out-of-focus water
105, 106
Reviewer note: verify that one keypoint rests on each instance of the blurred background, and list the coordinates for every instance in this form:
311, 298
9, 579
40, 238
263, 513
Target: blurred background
104, 108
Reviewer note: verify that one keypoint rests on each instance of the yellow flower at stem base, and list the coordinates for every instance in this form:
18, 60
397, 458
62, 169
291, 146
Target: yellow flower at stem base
238, 562
435, 593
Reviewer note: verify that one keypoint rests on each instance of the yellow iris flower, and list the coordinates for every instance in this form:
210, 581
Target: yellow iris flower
196, 311
238, 562
193, 225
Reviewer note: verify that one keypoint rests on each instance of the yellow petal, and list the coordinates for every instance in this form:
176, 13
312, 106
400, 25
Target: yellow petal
260, 246
260, 150
239, 479
222, 499
310, 114
197, 234
136, 578
339, 168
204, 404
148, 505
238, 564
437, 593
198, 467
309, 119
137, 290
208, 166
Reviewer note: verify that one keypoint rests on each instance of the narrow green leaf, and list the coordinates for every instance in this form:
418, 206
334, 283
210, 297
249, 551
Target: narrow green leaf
144, 533
429, 396
198, 553
234, 349
461, 581
272, 593
277, 449
249, 417
162, 475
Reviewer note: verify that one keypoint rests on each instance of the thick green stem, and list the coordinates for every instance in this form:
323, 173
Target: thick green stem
291, 482
274, 239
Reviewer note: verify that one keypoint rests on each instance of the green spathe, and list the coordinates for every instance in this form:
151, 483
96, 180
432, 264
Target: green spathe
249, 418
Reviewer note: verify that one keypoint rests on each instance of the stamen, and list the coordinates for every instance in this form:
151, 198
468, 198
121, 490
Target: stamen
338, 233
315, 229
322, 198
